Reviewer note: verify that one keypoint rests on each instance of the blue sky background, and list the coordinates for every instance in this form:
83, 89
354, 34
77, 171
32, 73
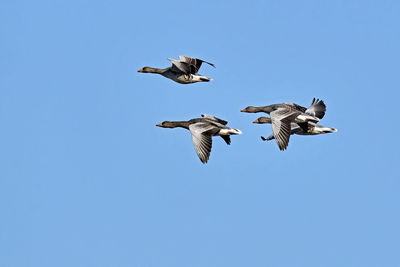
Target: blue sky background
88, 180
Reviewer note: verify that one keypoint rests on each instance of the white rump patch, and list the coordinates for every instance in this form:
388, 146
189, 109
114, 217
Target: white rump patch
230, 131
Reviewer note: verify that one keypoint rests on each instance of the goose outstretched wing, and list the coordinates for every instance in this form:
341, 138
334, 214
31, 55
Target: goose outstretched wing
317, 108
281, 120
188, 65
201, 140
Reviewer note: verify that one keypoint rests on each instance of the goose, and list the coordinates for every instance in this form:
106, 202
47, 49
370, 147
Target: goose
183, 70
283, 115
202, 129
312, 128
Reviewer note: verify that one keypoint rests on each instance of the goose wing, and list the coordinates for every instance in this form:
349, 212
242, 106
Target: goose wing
297, 107
227, 139
210, 117
188, 65
302, 126
281, 120
201, 139
317, 108
179, 67
194, 63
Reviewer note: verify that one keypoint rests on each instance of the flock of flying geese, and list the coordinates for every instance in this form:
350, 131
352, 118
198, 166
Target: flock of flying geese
286, 119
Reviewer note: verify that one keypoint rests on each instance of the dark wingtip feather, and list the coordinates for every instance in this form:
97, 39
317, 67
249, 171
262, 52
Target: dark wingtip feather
204, 161
227, 139
282, 147
209, 63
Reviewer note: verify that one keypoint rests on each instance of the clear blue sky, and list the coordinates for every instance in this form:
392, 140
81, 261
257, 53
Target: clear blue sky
86, 179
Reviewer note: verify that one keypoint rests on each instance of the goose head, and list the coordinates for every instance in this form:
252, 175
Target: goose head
262, 120
146, 70
167, 124
250, 109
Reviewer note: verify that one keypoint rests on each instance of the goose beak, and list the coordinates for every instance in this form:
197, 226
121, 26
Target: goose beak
141, 70
159, 125
243, 110
256, 121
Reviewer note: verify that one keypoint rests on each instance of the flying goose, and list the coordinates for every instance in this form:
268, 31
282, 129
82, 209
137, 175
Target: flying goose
202, 129
184, 70
283, 115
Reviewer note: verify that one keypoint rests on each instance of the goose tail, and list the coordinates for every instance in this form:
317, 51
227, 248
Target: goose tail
329, 130
200, 78
230, 131
306, 118
204, 79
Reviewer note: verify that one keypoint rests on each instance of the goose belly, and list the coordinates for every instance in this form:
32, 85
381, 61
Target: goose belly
184, 79
179, 78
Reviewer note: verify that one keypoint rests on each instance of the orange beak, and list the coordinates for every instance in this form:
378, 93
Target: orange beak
256, 121
141, 70
243, 110
159, 125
